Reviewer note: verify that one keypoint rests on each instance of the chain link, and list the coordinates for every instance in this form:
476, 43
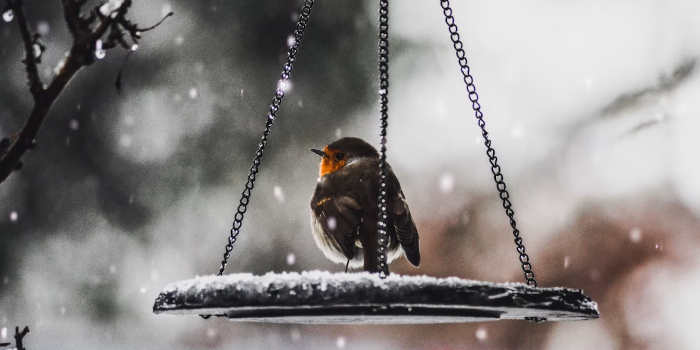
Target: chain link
382, 236
468, 79
301, 24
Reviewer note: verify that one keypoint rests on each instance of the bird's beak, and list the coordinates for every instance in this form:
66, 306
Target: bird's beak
319, 152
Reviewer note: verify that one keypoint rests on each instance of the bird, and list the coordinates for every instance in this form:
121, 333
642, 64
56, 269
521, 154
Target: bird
344, 210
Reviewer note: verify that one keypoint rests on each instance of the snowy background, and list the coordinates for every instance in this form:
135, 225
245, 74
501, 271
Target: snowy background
593, 105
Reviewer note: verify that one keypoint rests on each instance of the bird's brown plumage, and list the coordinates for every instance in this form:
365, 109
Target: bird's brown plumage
344, 207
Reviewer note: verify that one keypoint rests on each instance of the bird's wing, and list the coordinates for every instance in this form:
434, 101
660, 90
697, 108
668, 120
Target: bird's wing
402, 222
339, 218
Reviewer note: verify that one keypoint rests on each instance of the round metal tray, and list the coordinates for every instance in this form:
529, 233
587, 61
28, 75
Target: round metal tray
317, 297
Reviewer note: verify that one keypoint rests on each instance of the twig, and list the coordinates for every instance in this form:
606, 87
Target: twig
30, 60
88, 33
158, 23
19, 336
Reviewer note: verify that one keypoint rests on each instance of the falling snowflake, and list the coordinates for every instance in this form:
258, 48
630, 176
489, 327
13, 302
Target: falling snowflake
74, 124
3, 332
14, 216
291, 41
143, 290
279, 195
43, 28
636, 235
291, 259
284, 85
481, 334
566, 262
179, 40
340, 343
193, 93
332, 223
447, 183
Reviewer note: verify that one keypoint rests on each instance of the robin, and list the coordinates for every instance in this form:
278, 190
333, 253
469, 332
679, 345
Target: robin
344, 210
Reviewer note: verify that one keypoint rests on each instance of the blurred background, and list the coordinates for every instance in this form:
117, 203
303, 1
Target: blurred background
593, 107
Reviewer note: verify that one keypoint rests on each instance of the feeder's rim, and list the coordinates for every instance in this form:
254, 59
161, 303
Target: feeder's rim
326, 297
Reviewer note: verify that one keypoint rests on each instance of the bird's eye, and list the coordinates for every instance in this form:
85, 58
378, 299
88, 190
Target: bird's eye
339, 155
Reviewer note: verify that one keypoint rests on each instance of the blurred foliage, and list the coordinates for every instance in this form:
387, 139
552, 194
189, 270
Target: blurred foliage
240, 45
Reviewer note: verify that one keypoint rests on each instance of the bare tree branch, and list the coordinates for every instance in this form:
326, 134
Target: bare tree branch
89, 42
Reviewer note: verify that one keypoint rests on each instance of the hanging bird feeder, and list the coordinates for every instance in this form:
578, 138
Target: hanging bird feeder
316, 297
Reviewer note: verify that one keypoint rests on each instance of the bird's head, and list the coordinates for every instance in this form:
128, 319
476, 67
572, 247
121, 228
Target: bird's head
338, 154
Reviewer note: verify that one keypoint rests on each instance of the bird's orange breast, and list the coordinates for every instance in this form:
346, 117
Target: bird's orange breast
330, 164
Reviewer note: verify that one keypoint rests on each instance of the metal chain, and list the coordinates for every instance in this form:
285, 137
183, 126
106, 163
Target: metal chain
382, 236
468, 79
301, 24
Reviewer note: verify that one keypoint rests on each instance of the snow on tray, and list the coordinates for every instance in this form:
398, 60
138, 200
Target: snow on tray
314, 277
